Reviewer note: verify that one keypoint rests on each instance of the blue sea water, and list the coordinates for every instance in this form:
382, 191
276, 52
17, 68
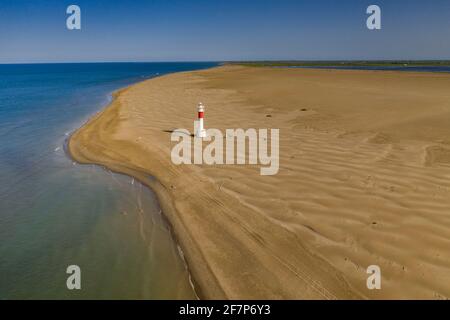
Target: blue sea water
55, 213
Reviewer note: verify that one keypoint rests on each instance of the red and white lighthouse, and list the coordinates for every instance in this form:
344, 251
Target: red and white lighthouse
201, 132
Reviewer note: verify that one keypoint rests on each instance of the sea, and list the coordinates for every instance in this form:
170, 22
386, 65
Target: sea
56, 214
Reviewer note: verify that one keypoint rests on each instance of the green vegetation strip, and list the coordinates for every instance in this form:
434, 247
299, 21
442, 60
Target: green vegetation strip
380, 63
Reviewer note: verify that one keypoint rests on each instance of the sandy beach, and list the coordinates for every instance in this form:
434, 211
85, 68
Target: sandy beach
364, 179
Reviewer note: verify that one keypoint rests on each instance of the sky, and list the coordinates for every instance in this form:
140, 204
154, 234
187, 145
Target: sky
221, 30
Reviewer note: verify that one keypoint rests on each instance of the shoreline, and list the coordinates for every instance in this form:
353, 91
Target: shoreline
237, 245
163, 196
156, 188
151, 183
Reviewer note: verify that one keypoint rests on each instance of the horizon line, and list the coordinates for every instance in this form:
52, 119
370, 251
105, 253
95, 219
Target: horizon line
233, 61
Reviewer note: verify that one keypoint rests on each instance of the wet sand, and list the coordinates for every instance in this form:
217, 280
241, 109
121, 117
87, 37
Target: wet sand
364, 179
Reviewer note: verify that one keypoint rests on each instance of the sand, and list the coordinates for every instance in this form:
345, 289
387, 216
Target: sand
364, 179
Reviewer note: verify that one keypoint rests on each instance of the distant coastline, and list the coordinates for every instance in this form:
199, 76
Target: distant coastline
383, 65
330, 63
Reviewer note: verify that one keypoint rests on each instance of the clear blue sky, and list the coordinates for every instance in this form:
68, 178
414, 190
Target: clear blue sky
180, 30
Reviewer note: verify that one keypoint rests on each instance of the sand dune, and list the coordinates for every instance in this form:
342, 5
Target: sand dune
364, 179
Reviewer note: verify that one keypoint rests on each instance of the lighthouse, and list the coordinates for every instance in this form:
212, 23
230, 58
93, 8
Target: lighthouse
201, 132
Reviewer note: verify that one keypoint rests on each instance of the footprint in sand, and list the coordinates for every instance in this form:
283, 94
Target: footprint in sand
436, 154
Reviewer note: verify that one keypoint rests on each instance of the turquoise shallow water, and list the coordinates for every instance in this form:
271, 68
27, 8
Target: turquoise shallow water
55, 213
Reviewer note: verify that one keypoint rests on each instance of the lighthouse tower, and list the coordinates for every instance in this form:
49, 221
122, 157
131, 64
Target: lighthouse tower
201, 132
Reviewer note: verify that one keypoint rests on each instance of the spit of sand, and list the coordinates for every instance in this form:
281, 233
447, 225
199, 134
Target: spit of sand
364, 179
